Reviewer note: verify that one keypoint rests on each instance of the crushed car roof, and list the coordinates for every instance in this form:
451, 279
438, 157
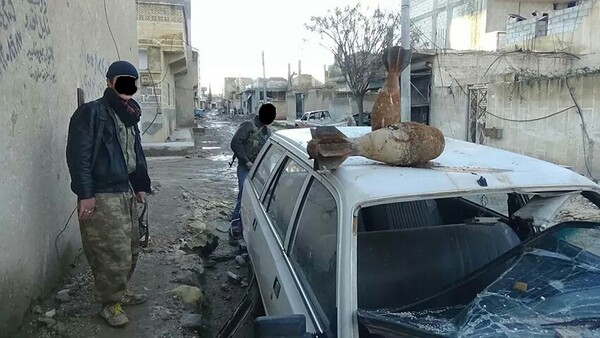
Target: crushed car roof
463, 166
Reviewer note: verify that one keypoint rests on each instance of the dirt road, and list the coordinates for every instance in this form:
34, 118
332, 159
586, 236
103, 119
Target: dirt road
192, 194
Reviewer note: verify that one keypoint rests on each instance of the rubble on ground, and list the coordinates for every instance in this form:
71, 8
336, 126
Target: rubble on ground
190, 295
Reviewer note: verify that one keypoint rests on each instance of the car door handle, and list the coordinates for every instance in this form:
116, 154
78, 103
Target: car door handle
276, 288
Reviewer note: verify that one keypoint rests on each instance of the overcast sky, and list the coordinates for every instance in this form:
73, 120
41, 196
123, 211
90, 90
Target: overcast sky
231, 34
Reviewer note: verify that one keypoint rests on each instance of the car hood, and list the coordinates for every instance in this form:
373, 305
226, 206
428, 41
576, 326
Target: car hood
550, 286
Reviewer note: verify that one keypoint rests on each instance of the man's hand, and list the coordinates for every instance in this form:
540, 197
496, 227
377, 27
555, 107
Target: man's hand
249, 165
140, 197
86, 209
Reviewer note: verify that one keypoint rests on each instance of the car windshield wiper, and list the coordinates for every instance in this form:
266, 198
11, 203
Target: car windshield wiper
592, 323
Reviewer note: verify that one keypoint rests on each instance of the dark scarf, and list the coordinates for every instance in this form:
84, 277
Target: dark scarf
129, 112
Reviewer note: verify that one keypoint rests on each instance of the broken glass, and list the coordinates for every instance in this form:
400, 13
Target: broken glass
552, 289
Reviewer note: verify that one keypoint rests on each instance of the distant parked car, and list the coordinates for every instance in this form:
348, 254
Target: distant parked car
366, 119
317, 118
468, 246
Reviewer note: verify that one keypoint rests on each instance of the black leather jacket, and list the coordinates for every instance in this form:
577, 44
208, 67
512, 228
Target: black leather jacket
108, 173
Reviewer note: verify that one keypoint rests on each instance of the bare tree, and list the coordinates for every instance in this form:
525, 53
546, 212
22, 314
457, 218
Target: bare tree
357, 41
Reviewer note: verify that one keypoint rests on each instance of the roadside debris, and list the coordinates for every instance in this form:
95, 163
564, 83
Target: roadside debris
240, 260
37, 309
223, 258
190, 295
242, 248
203, 243
233, 277
210, 264
187, 277
191, 321
63, 296
161, 313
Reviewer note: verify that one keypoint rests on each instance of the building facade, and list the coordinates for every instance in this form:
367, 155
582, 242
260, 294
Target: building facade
469, 24
252, 97
168, 68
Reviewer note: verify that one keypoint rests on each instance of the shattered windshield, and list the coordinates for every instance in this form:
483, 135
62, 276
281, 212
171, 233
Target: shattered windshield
552, 287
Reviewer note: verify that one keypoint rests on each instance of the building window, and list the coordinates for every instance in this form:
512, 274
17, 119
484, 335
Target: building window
143, 56
564, 5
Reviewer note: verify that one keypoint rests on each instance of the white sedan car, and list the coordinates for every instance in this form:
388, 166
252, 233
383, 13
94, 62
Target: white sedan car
465, 246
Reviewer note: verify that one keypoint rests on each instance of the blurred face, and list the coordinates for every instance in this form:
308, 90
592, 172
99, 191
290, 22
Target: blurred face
125, 86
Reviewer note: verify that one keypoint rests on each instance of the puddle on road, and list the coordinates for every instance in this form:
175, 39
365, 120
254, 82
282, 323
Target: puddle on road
220, 158
164, 158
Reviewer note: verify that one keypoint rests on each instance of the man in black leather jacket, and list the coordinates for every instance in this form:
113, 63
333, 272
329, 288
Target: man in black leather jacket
109, 174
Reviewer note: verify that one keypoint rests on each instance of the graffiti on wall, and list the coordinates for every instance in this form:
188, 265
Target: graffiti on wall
95, 75
31, 25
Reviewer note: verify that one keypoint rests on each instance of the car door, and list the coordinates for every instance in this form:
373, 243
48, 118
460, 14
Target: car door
266, 228
312, 252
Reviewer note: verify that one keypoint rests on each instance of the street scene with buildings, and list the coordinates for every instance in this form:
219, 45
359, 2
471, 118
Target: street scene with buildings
178, 168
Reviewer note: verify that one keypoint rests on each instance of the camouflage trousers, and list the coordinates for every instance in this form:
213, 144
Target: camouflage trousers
111, 244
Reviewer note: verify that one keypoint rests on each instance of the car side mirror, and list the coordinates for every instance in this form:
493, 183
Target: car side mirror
291, 326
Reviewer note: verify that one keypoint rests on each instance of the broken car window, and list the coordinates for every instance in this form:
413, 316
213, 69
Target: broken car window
547, 287
495, 202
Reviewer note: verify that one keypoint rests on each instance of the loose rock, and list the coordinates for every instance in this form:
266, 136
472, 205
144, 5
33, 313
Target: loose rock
50, 314
191, 321
63, 296
210, 264
225, 287
47, 321
189, 294
60, 328
233, 277
242, 247
187, 277
240, 260
37, 309
196, 226
194, 267
202, 243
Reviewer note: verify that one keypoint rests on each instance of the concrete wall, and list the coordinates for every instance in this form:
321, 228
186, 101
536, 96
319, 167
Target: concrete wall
536, 89
47, 50
339, 105
186, 86
572, 29
467, 24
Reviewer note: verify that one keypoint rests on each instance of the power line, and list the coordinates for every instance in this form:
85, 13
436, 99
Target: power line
111, 32
585, 135
61, 232
531, 120
584, 132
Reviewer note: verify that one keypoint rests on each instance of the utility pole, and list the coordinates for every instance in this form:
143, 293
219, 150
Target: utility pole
405, 86
264, 79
